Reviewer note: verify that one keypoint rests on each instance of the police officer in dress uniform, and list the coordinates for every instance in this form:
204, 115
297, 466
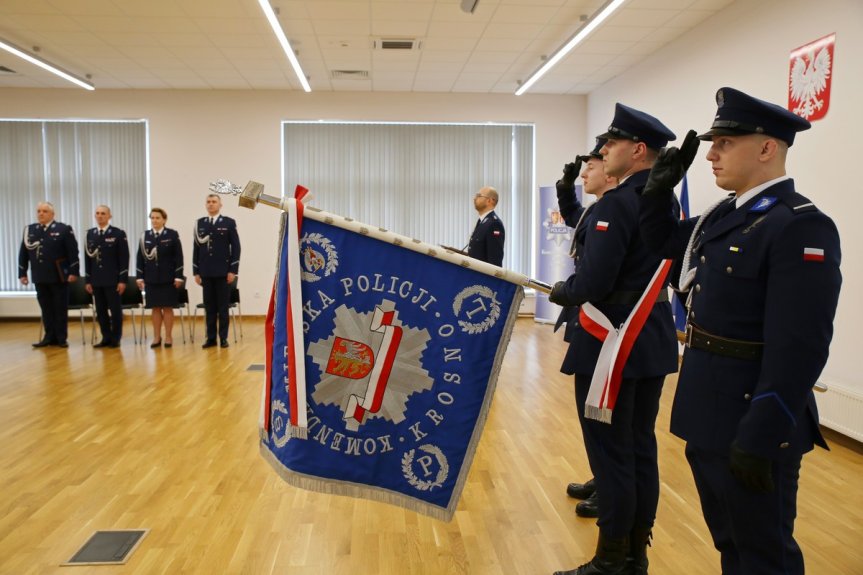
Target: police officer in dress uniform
487, 239
216, 263
160, 274
106, 265
615, 270
576, 216
50, 249
762, 269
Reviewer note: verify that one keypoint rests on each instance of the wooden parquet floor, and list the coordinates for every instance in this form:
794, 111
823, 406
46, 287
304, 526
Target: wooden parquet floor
167, 440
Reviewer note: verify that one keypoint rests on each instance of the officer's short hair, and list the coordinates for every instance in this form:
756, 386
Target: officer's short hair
160, 211
492, 194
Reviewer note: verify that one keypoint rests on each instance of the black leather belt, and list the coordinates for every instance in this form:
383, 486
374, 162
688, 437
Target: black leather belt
631, 297
697, 338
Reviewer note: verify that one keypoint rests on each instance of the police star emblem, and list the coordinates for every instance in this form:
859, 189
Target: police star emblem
370, 365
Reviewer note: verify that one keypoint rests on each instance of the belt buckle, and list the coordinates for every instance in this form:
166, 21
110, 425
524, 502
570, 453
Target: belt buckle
688, 337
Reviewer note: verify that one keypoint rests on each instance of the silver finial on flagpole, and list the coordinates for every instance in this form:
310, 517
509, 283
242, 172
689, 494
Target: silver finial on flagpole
225, 187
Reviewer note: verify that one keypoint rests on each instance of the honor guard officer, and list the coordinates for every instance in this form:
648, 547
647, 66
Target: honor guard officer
50, 249
160, 274
615, 274
576, 216
762, 269
216, 263
487, 239
106, 265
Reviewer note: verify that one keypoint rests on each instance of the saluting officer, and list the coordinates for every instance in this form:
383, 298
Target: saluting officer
50, 249
216, 263
618, 279
106, 265
762, 269
488, 237
160, 272
576, 216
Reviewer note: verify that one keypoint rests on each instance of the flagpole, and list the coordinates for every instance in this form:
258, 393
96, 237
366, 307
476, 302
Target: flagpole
253, 194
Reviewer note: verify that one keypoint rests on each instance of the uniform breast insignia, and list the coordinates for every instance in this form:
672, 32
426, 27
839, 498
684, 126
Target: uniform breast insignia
754, 224
318, 257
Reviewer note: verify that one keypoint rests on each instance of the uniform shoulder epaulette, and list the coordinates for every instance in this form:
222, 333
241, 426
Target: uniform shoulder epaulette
800, 204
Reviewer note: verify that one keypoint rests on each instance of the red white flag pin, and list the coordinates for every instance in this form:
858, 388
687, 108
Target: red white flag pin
813, 255
601, 226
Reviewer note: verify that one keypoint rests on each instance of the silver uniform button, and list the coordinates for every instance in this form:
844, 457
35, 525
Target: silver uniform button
697, 288
729, 269
703, 259
784, 445
747, 396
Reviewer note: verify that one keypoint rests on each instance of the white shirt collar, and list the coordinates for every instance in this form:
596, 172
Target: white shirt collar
483, 215
742, 199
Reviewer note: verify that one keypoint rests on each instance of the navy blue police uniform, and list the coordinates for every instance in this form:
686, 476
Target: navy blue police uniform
216, 253
614, 270
106, 265
51, 253
160, 263
487, 239
763, 295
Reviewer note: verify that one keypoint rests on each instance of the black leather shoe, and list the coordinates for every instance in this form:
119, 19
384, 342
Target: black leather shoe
103, 343
43, 343
581, 490
61, 344
209, 343
156, 344
224, 343
114, 344
589, 507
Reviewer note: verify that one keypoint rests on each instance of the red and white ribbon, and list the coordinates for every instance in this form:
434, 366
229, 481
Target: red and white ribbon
616, 346
382, 322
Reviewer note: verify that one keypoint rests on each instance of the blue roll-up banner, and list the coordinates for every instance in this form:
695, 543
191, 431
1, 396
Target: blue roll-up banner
553, 243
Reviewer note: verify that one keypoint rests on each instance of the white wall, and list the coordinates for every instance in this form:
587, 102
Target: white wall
199, 136
747, 47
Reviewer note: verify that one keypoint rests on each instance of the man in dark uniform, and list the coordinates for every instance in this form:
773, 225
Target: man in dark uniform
620, 283
216, 263
106, 265
596, 183
762, 269
487, 239
51, 250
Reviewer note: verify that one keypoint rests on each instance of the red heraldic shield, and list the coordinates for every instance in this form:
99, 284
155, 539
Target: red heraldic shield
351, 359
810, 72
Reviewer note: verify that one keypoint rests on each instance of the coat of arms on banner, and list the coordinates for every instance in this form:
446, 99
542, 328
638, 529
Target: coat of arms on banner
809, 78
401, 353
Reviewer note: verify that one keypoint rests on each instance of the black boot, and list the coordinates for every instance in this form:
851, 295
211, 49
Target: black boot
589, 507
610, 559
581, 490
639, 541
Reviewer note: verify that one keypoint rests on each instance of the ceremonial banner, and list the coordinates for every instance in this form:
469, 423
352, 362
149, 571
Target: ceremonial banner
400, 349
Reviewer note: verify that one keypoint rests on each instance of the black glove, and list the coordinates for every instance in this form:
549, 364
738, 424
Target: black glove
671, 165
558, 294
751, 470
566, 185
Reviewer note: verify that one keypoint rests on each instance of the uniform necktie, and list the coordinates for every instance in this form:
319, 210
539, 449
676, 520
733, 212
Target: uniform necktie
101, 233
44, 228
212, 221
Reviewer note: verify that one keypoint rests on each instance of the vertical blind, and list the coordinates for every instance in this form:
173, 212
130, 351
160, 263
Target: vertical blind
417, 180
75, 165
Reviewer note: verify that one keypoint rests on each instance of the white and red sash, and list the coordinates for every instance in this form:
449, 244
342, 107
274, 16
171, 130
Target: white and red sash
294, 350
616, 346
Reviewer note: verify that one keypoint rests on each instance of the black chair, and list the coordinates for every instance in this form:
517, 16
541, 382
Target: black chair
234, 310
79, 300
132, 299
183, 307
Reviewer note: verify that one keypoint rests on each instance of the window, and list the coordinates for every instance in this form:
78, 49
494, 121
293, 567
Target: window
75, 165
417, 180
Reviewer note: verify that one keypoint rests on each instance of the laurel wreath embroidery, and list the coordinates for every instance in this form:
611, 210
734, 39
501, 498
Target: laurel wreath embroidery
416, 482
279, 423
332, 256
493, 314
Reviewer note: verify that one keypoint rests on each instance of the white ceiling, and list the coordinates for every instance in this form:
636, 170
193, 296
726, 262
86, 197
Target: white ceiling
228, 44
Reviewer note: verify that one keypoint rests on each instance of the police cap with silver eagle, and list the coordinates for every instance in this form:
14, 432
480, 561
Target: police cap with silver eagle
594, 153
635, 125
739, 114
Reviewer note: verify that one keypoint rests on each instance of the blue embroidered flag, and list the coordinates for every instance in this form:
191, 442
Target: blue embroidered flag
401, 352
678, 307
